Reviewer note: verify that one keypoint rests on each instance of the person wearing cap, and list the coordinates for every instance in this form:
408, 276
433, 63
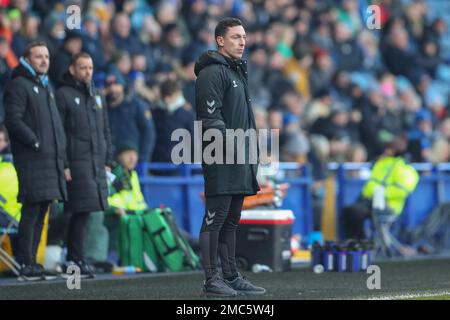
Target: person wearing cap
129, 119
89, 152
124, 192
391, 172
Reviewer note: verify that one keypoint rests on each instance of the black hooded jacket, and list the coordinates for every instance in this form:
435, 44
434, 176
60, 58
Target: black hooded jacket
84, 115
31, 117
223, 102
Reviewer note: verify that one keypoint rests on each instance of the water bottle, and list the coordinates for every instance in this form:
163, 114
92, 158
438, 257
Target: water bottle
353, 256
125, 270
366, 254
257, 268
278, 197
328, 256
340, 258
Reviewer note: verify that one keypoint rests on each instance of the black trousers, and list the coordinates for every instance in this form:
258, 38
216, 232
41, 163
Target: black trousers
218, 234
30, 229
76, 236
353, 218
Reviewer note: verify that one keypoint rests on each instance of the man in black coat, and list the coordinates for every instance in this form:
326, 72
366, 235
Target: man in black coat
89, 152
223, 103
38, 147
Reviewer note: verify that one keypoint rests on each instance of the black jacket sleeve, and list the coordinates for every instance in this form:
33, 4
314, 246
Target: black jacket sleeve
62, 108
15, 103
210, 87
107, 133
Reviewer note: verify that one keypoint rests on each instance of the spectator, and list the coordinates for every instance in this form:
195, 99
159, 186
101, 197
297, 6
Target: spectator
121, 66
398, 56
422, 136
71, 46
125, 192
124, 36
129, 120
429, 58
54, 33
398, 184
444, 129
91, 41
297, 70
28, 33
7, 62
346, 52
171, 113
259, 91
321, 72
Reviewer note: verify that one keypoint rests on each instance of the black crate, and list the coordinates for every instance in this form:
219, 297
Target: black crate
264, 237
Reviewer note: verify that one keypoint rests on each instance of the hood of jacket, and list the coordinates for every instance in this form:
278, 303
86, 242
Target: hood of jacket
68, 80
211, 57
25, 70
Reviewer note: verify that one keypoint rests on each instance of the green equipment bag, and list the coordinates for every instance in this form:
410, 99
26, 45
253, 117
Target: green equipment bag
135, 245
172, 247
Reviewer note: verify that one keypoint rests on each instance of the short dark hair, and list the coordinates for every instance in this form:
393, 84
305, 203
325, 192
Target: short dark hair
169, 87
79, 55
33, 45
224, 24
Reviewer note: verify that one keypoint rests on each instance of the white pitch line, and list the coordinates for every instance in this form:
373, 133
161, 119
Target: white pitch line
410, 296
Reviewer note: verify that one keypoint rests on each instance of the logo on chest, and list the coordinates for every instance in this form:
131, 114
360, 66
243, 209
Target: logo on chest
98, 100
77, 100
35, 89
234, 84
211, 107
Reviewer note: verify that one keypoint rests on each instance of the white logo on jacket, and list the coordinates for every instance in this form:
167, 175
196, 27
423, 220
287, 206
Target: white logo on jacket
77, 100
210, 108
234, 84
98, 100
36, 89
211, 217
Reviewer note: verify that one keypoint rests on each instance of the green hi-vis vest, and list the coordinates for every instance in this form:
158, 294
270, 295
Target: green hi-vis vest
398, 178
9, 189
128, 196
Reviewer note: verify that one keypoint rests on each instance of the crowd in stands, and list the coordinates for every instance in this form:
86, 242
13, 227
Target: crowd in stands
335, 89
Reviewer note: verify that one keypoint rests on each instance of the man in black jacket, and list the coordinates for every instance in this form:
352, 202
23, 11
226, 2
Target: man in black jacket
89, 152
223, 103
38, 148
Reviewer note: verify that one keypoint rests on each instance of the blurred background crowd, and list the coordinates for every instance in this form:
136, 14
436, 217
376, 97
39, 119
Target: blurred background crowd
335, 89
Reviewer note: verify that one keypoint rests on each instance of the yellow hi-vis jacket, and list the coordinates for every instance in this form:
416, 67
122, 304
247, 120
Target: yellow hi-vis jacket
397, 177
9, 189
129, 199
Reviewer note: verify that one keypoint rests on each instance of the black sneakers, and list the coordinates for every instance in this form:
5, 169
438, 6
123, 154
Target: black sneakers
86, 271
243, 286
45, 274
29, 273
217, 287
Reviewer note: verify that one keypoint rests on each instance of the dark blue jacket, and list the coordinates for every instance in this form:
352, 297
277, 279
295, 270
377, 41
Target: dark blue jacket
131, 122
165, 124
